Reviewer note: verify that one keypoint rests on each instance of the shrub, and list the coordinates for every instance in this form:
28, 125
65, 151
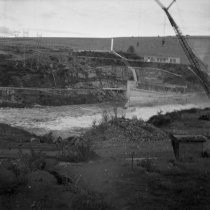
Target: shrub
122, 128
33, 161
175, 115
164, 119
205, 117
94, 124
147, 164
79, 149
102, 126
190, 111
131, 49
160, 120
105, 117
47, 138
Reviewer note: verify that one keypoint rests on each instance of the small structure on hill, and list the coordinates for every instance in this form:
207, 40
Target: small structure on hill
162, 59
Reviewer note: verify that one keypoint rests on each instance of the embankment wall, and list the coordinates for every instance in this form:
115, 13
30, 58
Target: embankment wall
21, 97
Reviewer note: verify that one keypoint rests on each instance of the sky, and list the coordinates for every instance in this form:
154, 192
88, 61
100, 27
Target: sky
101, 18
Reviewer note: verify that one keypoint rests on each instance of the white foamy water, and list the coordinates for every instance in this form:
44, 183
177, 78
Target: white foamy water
66, 120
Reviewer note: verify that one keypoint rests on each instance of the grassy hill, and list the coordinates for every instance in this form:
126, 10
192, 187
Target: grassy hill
142, 45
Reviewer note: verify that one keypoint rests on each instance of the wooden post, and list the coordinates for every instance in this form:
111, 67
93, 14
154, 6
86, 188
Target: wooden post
132, 156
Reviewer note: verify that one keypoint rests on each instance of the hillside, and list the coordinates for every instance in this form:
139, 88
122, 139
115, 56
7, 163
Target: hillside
63, 62
142, 45
84, 70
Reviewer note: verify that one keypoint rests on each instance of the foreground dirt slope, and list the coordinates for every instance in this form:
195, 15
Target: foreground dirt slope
161, 185
154, 180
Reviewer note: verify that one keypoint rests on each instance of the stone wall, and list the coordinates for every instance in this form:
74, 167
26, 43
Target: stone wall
21, 97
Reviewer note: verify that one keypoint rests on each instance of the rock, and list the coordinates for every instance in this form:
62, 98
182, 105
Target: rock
41, 177
37, 106
33, 139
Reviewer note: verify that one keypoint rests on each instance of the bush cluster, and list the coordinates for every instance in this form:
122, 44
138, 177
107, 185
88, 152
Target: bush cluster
112, 126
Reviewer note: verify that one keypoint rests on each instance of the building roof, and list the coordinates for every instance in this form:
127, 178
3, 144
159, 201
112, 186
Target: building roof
191, 138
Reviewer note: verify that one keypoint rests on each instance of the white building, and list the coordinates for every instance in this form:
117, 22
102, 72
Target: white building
162, 59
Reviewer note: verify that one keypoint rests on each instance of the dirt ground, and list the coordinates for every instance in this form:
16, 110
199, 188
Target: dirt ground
163, 185
153, 180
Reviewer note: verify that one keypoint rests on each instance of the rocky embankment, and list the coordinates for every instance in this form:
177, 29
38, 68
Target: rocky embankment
64, 77
25, 97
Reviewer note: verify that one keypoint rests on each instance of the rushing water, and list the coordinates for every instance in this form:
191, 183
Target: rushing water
68, 120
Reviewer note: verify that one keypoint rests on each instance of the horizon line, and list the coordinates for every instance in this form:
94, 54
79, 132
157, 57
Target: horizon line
105, 37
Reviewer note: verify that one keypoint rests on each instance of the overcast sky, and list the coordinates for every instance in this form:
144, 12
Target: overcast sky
101, 18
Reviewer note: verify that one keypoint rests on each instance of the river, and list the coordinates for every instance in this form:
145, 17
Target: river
71, 120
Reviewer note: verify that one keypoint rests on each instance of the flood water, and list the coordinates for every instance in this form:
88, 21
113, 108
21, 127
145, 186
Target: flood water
71, 120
